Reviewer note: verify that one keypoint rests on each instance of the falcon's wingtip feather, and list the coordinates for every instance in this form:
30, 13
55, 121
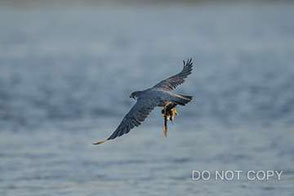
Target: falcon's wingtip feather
189, 62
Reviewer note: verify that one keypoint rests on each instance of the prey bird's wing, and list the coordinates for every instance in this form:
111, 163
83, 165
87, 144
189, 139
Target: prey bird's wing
134, 117
172, 82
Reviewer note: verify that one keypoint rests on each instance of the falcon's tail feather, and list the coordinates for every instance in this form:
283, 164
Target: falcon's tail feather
187, 96
182, 99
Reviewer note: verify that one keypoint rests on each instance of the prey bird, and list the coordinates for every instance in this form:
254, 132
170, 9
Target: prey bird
160, 95
168, 112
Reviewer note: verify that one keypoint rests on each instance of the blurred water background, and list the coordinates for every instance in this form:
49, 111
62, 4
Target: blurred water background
66, 72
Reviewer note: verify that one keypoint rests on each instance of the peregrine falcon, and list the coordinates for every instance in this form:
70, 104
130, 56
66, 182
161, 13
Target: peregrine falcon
160, 95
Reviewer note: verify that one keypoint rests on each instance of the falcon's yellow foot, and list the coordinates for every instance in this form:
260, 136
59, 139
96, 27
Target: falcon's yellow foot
175, 111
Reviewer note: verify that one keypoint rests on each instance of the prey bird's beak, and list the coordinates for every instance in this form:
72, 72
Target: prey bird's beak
100, 142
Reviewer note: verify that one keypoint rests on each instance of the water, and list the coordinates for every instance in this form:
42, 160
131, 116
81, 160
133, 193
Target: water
65, 78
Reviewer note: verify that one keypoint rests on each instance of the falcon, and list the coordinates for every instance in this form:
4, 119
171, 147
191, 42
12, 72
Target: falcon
160, 95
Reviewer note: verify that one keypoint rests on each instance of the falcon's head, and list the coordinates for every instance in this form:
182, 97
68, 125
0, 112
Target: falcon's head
135, 94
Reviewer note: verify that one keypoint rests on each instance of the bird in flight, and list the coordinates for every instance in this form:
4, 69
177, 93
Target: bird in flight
160, 95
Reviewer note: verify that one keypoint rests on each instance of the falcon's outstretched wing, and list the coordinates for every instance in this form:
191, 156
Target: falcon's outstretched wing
172, 82
134, 117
